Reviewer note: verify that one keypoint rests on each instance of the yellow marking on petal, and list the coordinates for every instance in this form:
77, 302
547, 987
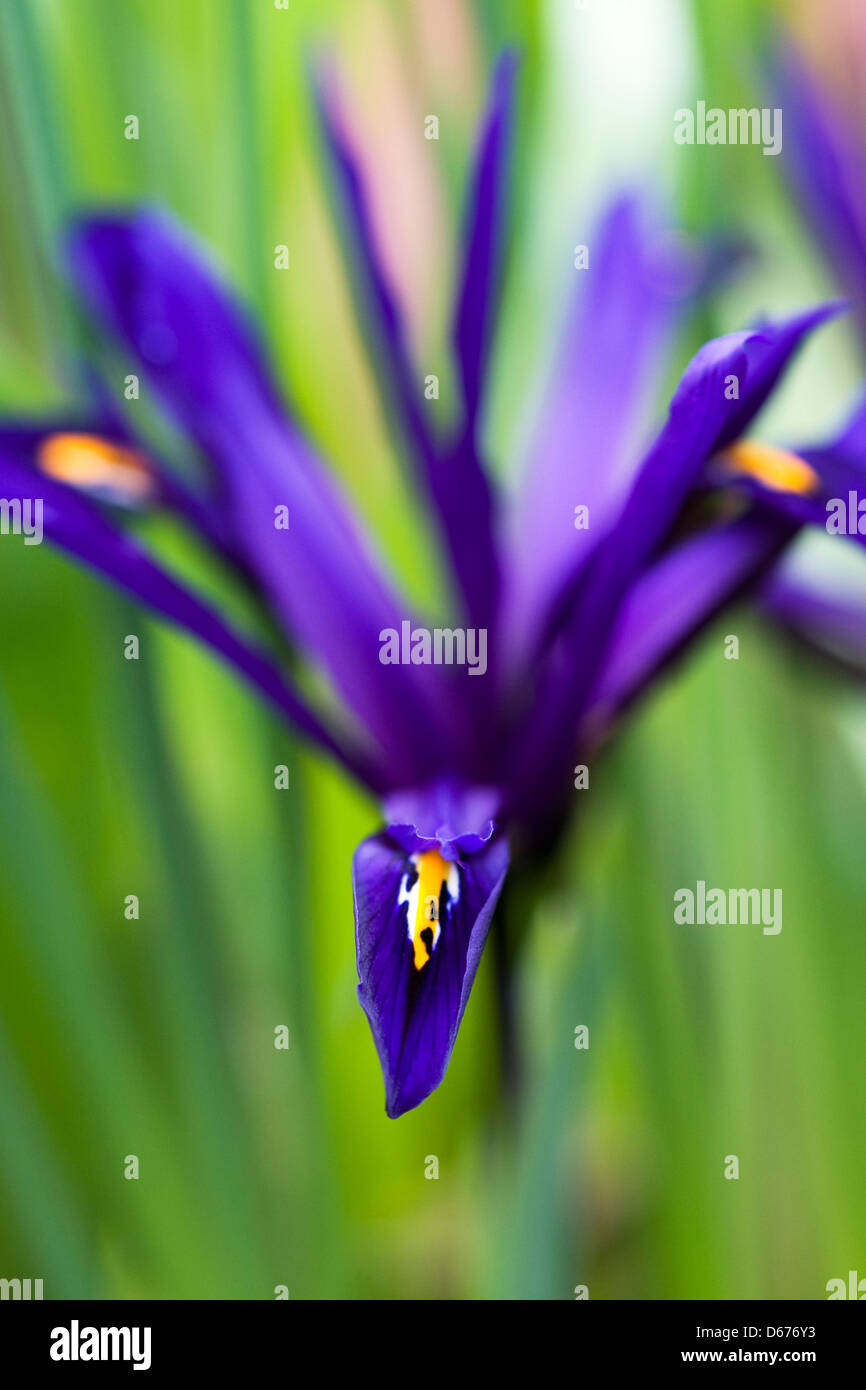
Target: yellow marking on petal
87, 461
432, 875
777, 469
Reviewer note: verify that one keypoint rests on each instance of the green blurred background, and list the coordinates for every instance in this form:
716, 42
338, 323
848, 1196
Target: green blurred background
262, 1168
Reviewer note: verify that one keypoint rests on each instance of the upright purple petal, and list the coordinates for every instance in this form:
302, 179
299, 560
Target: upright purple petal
477, 299
422, 915
584, 447
395, 373
827, 169
451, 472
463, 490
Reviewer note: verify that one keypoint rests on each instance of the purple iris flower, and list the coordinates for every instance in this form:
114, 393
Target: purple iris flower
473, 763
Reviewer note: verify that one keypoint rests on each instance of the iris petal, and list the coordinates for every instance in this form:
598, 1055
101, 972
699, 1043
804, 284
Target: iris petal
452, 473
678, 596
76, 524
414, 1013
484, 239
705, 415
156, 290
584, 446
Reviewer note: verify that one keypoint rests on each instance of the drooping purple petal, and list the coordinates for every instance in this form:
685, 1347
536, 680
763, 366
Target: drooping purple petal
77, 526
414, 1013
153, 288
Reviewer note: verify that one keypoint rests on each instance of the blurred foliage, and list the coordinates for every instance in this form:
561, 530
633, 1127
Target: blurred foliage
155, 1037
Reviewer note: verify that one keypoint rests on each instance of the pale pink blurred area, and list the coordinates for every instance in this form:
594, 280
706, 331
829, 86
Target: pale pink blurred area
399, 66
448, 44
832, 36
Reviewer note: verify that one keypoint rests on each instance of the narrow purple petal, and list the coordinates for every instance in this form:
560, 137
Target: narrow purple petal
463, 492
484, 240
398, 380
451, 474
415, 1013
